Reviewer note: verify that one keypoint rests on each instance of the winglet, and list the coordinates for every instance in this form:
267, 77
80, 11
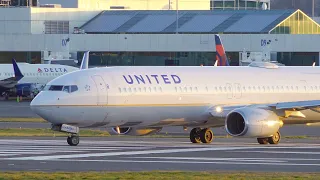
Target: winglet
17, 73
220, 52
85, 61
216, 63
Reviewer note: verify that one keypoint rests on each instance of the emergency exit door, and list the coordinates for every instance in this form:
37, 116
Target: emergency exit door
102, 90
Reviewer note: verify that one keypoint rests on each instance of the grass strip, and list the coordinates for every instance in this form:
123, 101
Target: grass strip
39, 120
47, 132
155, 175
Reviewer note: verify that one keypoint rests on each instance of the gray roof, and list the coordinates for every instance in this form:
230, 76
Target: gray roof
189, 21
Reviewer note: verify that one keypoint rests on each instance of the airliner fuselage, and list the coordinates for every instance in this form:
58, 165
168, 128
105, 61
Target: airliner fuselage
172, 96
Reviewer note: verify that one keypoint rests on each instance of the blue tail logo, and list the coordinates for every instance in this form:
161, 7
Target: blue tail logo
17, 73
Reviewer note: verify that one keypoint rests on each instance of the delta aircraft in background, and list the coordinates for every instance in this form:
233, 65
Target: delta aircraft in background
23, 74
221, 56
249, 101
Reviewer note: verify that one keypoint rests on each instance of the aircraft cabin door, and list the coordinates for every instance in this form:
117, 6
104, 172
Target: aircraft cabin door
229, 90
102, 90
237, 91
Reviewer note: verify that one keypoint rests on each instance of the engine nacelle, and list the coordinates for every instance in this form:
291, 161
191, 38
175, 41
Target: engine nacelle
252, 122
135, 131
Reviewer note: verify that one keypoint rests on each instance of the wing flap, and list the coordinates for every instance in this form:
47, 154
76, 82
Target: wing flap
298, 105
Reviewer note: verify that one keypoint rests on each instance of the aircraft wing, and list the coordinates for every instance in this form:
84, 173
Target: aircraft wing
286, 109
297, 105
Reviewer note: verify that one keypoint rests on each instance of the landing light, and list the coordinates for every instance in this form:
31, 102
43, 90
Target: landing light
218, 109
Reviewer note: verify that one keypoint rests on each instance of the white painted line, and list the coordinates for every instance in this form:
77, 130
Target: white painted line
186, 162
212, 159
279, 152
164, 151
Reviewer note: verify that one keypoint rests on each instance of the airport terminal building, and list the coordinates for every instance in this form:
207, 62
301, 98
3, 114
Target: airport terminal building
157, 35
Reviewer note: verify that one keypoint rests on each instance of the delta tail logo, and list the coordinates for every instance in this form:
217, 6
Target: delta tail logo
39, 70
221, 54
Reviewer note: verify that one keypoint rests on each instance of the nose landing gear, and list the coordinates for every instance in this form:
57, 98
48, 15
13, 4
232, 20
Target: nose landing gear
73, 139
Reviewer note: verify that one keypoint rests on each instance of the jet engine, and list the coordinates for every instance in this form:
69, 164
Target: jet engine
135, 131
252, 122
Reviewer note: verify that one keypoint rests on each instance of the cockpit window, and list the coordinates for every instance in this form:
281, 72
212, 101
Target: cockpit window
55, 88
67, 89
74, 88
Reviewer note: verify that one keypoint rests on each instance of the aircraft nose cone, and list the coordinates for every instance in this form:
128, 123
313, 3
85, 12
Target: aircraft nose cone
39, 107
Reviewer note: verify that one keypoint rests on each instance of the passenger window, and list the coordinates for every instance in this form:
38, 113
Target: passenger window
185, 89
120, 90
155, 89
129, 89
124, 90
160, 89
135, 89
190, 89
176, 89
149, 89
139, 89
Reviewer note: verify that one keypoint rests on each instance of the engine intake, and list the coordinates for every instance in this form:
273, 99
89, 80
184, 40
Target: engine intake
236, 124
252, 122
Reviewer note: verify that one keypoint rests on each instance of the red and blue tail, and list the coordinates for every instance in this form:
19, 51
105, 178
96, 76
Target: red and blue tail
221, 56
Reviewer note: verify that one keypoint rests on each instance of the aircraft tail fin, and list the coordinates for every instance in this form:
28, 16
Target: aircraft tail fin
221, 55
85, 61
17, 73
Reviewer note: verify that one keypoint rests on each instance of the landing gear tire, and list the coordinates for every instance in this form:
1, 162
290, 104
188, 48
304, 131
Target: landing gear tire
195, 135
206, 136
275, 139
263, 140
73, 140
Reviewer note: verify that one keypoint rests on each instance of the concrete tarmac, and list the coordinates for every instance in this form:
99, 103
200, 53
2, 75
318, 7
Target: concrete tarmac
15, 109
144, 154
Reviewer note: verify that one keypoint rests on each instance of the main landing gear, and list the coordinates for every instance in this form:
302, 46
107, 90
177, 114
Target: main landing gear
274, 139
198, 135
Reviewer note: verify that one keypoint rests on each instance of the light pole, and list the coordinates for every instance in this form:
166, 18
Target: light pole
177, 14
312, 9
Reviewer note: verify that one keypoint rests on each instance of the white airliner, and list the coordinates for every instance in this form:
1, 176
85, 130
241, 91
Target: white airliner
15, 74
250, 101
